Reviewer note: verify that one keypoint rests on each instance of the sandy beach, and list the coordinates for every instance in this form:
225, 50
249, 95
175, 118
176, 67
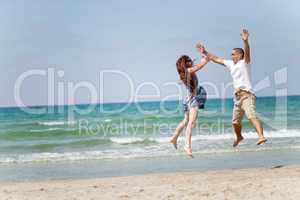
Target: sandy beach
281, 182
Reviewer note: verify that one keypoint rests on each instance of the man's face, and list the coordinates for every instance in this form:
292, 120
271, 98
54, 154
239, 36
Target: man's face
236, 56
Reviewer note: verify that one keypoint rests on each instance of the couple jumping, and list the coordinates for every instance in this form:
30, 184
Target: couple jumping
244, 98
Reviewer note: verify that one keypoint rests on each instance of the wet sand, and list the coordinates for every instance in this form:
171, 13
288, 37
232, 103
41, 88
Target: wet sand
279, 182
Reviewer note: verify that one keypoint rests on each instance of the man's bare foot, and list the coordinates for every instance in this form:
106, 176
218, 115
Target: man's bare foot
261, 141
174, 142
188, 151
237, 141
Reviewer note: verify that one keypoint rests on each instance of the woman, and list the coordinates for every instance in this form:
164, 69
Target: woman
195, 99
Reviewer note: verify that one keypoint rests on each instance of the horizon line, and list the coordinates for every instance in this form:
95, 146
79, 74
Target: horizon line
133, 102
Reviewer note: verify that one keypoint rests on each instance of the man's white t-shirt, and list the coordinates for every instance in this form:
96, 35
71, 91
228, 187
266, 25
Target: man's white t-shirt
241, 75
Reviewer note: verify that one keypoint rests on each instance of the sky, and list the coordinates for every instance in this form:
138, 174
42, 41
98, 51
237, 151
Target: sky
119, 51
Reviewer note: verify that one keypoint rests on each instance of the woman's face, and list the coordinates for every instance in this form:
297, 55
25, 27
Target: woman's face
188, 63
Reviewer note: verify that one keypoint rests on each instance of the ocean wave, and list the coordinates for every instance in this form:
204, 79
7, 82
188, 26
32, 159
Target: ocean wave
123, 154
56, 123
126, 140
135, 140
43, 130
72, 156
225, 136
104, 148
250, 135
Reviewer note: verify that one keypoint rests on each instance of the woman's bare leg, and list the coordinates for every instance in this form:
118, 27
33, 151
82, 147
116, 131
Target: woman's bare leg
179, 129
188, 134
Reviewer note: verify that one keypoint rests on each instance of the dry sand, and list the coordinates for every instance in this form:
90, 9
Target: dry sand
259, 183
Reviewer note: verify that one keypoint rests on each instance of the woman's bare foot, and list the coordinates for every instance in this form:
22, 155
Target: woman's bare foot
188, 151
237, 141
174, 142
261, 141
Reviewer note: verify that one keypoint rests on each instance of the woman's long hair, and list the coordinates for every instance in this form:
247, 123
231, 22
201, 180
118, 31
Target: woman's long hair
182, 64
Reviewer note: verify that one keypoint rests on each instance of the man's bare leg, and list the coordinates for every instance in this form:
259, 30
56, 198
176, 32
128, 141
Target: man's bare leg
259, 129
238, 132
179, 129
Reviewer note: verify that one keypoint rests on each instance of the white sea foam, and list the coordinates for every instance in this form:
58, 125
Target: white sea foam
48, 129
56, 123
205, 144
72, 156
126, 140
226, 136
118, 154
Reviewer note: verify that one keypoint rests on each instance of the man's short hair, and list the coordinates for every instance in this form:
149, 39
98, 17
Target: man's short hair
240, 51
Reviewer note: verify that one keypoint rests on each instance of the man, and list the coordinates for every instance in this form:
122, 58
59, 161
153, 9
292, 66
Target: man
244, 98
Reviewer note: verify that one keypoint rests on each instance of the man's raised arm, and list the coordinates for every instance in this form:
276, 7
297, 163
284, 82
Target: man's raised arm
245, 36
210, 56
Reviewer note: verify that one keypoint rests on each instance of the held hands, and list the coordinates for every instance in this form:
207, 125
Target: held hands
201, 49
245, 35
205, 59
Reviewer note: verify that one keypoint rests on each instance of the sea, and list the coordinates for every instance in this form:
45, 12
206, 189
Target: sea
119, 130
138, 130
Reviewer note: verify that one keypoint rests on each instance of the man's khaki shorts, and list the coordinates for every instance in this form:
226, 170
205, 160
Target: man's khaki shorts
243, 104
